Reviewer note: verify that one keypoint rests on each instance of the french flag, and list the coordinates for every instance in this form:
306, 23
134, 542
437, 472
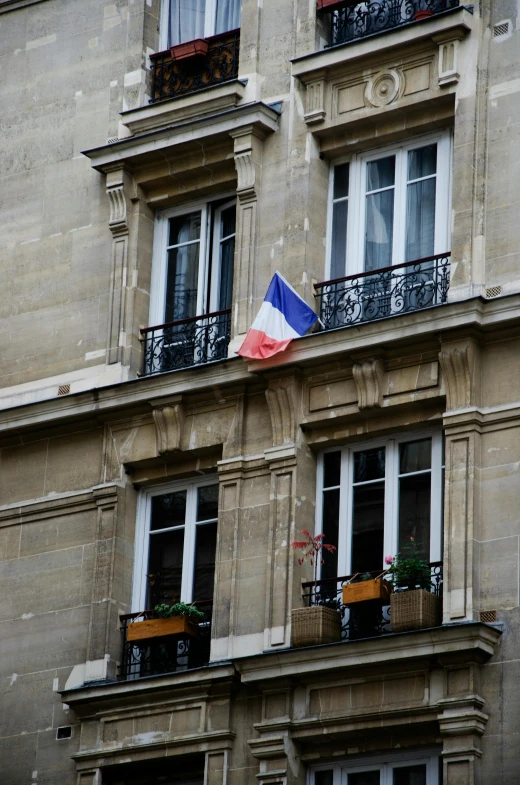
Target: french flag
282, 317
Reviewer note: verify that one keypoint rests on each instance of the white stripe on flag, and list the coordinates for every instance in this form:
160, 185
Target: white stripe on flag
272, 322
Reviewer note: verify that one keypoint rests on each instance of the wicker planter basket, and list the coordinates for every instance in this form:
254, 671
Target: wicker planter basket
414, 610
374, 589
315, 625
158, 628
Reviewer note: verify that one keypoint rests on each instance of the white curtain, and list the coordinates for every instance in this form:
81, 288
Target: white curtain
186, 20
228, 15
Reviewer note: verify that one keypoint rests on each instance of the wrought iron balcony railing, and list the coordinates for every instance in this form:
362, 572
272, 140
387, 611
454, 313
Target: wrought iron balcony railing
380, 294
367, 619
181, 344
357, 20
172, 77
169, 654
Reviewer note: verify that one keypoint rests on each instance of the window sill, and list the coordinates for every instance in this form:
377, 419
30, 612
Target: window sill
208, 101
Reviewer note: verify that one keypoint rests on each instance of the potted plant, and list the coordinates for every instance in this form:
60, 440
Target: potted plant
412, 605
364, 586
178, 619
317, 623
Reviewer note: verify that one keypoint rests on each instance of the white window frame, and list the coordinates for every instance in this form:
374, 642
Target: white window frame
391, 522
142, 537
385, 764
210, 18
355, 246
207, 291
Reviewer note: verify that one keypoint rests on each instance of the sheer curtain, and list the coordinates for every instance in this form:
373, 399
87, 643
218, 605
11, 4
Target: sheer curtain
379, 230
186, 20
228, 15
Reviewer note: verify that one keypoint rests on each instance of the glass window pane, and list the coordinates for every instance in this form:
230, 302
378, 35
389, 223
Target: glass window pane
415, 456
379, 230
341, 173
228, 15
181, 282
368, 520
369, 464
381, 173
331, 469
186, 20
324, 778
205, 551
207, 503
410, 775
364, 778
228, 221
168, 510
414, 512
165, 567
422, 162
339, 240
184, 228
330, 528
227, 258
420, 219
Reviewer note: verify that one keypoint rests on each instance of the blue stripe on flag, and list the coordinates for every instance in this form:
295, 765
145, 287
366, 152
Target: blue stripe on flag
295, 310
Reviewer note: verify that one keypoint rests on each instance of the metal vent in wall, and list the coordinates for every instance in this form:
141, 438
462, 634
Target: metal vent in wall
64, 389
112, 140
493, 291
502, 29
488, 616
64, 732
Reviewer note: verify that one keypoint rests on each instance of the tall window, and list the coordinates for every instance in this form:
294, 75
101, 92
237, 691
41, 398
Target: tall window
193, 261
373, 498
186, 20
390, 207
423, 770
175, 545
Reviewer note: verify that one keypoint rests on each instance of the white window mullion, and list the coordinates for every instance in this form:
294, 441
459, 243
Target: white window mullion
443, 194
391, 501
436, 502
142, 547
401, 159
188, 556
356, 253
210, 18
345, 513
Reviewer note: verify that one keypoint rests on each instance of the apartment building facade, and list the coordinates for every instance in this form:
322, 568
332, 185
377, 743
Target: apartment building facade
161, 160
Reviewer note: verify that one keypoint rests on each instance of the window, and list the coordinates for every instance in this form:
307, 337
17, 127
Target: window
408, 770
372, 498
390, 207
187, 20
175, 545
193, 261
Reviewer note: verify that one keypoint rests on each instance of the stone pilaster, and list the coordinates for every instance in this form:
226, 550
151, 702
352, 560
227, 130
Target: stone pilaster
117, 184
248, 150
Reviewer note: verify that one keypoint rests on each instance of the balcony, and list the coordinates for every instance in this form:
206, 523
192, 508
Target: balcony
383, 293
168, 654
174, 76
186, 342
352, 21
367, 619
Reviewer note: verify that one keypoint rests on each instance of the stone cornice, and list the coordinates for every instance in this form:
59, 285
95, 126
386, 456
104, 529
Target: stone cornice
472, 638
133, 397
307, 67
14, 5
262, 117
61, 504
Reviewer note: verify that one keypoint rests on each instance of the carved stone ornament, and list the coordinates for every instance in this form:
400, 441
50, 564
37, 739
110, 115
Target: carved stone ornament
369, 379
118, 213
456, 371
282, 400
383, 88
169, 421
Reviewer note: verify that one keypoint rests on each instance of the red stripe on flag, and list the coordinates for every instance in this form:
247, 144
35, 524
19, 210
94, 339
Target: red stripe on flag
258, 346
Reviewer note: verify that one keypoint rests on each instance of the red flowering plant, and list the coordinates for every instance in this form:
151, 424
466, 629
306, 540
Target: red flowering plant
313, 548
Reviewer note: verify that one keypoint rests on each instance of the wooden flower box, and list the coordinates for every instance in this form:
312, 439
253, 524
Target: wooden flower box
197, 48
330, 5
374, 589
159, 628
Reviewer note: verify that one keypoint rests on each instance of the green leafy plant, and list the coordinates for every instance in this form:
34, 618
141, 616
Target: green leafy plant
407, 570
165, 611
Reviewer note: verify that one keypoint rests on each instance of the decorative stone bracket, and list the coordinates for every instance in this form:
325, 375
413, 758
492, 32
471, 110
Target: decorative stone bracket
369, 377
460, 365
117, 187
169, 422
283, 399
